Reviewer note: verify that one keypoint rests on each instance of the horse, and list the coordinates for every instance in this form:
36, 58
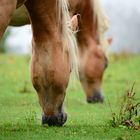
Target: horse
53, 52
92, 57
90, 38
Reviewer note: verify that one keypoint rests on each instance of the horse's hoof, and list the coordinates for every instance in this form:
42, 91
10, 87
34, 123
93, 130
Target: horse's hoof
96, 98
54, 120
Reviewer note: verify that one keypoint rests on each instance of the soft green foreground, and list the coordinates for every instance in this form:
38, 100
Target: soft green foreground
20, 113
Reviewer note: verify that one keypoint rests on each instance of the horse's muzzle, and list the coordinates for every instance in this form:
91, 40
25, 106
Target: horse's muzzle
54, 120
96, 98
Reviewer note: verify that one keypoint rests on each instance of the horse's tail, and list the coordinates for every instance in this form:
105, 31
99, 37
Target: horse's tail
102, 19
67, 34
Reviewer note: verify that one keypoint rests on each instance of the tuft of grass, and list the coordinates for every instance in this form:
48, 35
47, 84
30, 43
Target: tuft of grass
25, 88
128, 115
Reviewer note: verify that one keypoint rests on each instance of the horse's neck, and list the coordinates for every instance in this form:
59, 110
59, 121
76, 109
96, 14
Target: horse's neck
43, 17
88, 24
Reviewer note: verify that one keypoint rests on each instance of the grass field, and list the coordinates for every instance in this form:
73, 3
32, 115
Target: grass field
20, 113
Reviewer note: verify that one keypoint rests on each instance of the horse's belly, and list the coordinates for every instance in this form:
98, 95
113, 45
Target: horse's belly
20, 17
20, 2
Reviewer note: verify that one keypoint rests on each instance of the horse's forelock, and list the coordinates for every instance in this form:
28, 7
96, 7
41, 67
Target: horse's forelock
102, 19
67, 33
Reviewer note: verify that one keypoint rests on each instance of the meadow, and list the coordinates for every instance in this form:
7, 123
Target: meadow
20, 113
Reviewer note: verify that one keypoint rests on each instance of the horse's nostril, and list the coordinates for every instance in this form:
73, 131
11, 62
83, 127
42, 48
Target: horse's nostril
54, 120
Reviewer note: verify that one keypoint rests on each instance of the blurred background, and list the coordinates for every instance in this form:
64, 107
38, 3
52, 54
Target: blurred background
124, 29
124, 25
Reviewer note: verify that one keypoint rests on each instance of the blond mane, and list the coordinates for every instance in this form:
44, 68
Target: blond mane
102, 20
67, 33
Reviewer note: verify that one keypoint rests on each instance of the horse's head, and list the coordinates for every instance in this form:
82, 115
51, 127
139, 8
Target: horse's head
92, 57
96, 64
53, 56
93, 63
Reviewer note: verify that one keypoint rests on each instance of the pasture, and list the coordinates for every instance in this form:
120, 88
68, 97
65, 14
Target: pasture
20, 113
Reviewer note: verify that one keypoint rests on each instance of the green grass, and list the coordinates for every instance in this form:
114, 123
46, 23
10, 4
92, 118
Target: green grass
20, 113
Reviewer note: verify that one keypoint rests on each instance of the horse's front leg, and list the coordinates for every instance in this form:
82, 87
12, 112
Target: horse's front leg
50, 75
7, 8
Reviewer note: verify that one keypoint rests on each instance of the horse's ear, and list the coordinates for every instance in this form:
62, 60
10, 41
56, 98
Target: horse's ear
106, 43
110, 40
74, 22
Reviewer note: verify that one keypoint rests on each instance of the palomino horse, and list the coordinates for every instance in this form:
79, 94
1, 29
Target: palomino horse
53, 53
93, 60
92, 57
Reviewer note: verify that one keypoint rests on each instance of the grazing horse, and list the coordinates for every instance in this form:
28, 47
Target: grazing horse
53, 52
92, 57
45, 75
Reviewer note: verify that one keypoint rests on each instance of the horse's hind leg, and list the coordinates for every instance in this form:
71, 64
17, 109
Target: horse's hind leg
50, 68
7, 8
